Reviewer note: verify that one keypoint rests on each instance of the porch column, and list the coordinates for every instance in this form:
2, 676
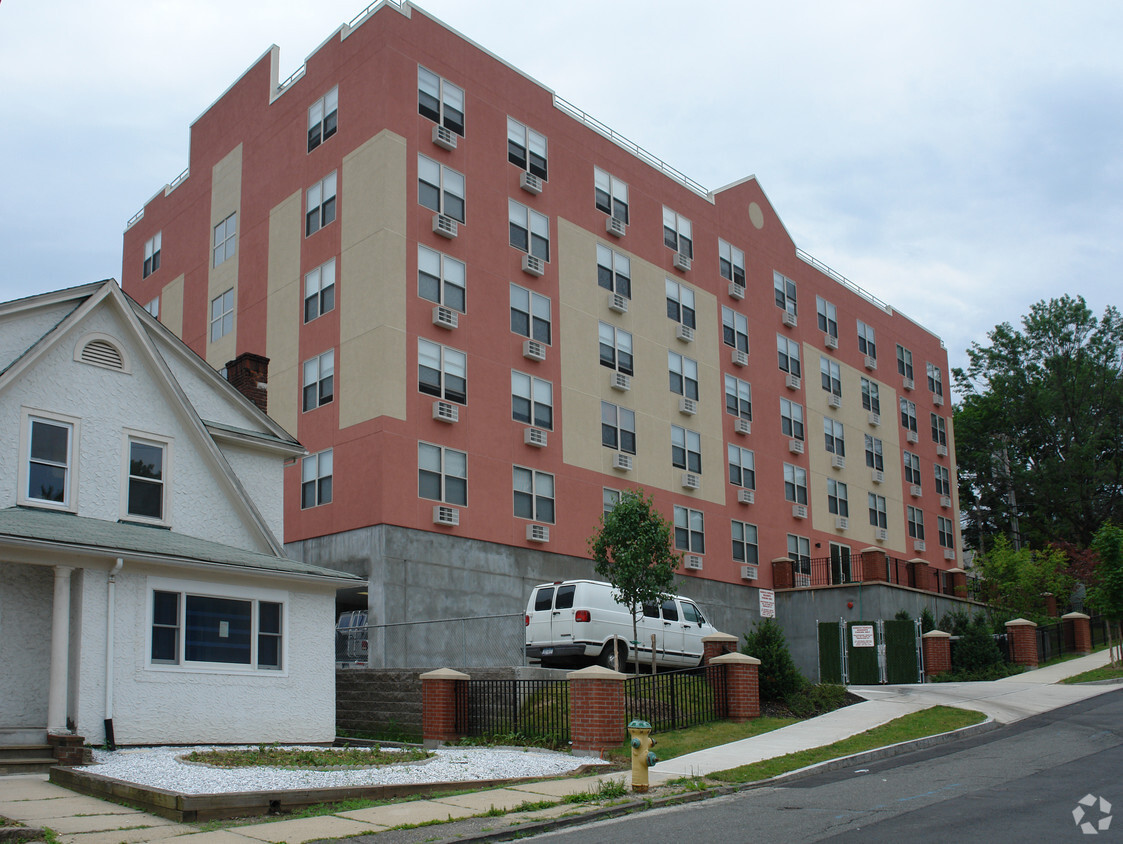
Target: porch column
60, 651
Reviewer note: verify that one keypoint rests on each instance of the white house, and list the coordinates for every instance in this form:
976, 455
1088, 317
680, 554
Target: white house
144, 590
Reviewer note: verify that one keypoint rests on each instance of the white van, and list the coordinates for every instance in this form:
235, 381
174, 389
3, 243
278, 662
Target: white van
578, 621
351, 640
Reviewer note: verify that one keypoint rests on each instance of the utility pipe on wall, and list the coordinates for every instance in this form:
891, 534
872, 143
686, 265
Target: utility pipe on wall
111, 603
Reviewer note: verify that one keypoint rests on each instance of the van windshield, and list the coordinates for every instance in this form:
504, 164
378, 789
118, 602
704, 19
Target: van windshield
565, 597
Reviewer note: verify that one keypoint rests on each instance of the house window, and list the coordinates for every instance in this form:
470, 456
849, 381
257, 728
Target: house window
222, 314
731, 262
744, 543
319, 205
532, 401
50, 461
440, 100
530, 231
683, 375
442, 372
225, 239
530, 314
866, 342
785, 293
323, 118
442, 474
690, 532
943, 480
617, 428
935, 380
877, 510
904, 362
875, 459
319, 291
319, 380
526, 148
216, 630
831, 376
916, 523
799, 552
947, 537
939, 430
686, 449
791, 419
787, 352
610, 498
615, 348
147, 479
152, 254
912, 469
440, 188
795, 484
908, 414
834, 437
837, 503
734, 329
610, 195
742, 467
153, 308
680, 303
534, 495
315, 479
738, 397
677, 233
441, 279
871, 399
828, 317
614, 271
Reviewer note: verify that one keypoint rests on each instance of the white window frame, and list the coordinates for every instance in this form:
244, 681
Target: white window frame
795, 484
838, 503
317, 470
742, 466
609, 498
915, 518
448, 274
690, 530
535, 309
875, 454
834, 436
450, 187
319, 375
738, 397
524, 145
912, 468
323, 118
678, 232
447, 96
165, 444
444, 473
867, 340
451, 363
791, 419
799, 552
683, 372
319, 204
871, 396
731, 262
734, 329
935, 380
680, 303
225, 243
532, 227
319, 291
744, 537
619, 420
945, 528
877, 513
943, 479
222, 321
538, 394
152, 254
153, 308
939, 430
908, 414
618, 342
828, 317
73, 426
688, 444
904, 362
787, 355
830, 375
610, 195
614, 271
785, 293
537, 489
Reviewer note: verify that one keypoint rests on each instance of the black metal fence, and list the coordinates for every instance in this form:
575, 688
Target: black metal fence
520, 709
673, 700
1054, 640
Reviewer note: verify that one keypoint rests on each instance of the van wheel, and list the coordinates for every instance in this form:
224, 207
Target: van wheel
608, 657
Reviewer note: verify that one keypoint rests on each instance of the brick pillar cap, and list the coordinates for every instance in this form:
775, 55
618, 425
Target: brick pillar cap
781, 559
957, 570
719, 637
936, 634
596, 672
445, 674
1020, 622
918, 560
872, 549
1066, 615
734, 659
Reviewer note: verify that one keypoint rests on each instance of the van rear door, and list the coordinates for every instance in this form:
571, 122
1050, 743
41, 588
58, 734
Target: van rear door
561, 619
539, 615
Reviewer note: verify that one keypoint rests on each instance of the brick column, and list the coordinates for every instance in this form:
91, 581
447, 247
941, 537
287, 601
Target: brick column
742, 685
958, 582
1050, 604
716, 645
249, 375
1079, 627
438, 706
596, 710
70, 750
873, 564
937, 652
1021, 634
782, 576
919, 575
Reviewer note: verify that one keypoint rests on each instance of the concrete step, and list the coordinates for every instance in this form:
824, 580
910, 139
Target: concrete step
23, 735
9, 752
26, 766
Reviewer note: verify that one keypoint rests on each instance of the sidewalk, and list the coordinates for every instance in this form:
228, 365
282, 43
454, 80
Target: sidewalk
85, 820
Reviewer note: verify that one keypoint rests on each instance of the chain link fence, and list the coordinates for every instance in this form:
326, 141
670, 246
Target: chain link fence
475, 642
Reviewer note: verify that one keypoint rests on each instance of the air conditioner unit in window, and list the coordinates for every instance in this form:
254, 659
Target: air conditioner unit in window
792, 382
838, 461
749, 572
874, 419
799, 511
618, 303
740, 358
736, 291
871, 363
745, 496
690, 480
444, 515
444, 225
687, 406
878, 476
949, 553
444, 411
615, 227
918, 545
833, 400
622, 461
937, 400
881, 535
802, 579
912, 437
530, 183
941, 450
445, 317
907, 383
537, 533
533, 265
842, 523
742, 426
681, 262
915, 491
535, 437
789, 319
945, 501
692, 562
684, 333
619, 381
444, 137
795, 446
534, 350
830, 341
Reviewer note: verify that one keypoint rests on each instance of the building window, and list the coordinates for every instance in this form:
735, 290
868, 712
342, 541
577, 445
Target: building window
947, 537
831, 376
147, 479
742, 467
442, 474
683, 375
744, 543
791, 419
526, 148
610, 498
828, 317
153, 308
614, 271
787, 352
532, 401
315, 479
323, 118
795, 484
216, 630
731, 263
611, 195
50, 461
534, 495
943, 480
904, 362
442, 372
319, 205
908, 414
686, 449
935, 380
799, 552
530, 314
225, 239
785, 293
222, 314
735, 329
916, 523
319, 291
867, 345
617, 428
440, 100
877, 511
319, 380
690, 533
441, 279
680, 303
834, 437
871, 399
440, 188
152, 254
939, 430
875, 459
677, 233
837, 503
912, 469
530, 231
615, 348
738, 397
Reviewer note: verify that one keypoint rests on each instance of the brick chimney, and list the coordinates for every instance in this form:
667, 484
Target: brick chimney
249, 375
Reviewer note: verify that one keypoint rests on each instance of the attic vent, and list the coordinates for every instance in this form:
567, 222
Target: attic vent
100, 351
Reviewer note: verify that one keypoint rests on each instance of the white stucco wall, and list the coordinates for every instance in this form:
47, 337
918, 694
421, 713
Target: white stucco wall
19, 330
263, 478
209, 401
25, 643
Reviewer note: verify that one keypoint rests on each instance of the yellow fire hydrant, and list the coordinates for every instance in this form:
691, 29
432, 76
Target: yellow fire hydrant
642, 755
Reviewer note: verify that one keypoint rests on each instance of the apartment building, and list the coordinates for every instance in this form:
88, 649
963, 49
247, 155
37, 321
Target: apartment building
485, 314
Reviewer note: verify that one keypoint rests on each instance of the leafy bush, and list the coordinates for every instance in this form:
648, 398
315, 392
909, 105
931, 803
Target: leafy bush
927, 621
814, 700
976, 652
955, 623
903, 615
778, 674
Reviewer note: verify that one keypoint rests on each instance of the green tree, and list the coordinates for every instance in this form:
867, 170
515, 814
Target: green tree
778, 676
1039, 432
1106, 594
1017, 580
633, 551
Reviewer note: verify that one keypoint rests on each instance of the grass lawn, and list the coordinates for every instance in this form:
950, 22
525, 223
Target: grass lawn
1105, 673
680, 742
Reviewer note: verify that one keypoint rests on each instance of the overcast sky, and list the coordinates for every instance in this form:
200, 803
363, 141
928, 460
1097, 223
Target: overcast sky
960, 160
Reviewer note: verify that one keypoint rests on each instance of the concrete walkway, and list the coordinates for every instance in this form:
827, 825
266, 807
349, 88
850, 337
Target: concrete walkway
85, 820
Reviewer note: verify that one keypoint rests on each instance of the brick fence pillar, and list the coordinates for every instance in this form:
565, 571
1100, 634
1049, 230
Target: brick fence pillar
438, 705
958, 582
742, 685
1078, 630
70, 750
716, 645
596, 710
919, 574
1022, 637
874, 564
782, 574
937, 652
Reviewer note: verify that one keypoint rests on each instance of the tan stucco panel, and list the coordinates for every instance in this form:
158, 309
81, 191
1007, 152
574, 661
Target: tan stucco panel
171, 306
226, 198
283, 310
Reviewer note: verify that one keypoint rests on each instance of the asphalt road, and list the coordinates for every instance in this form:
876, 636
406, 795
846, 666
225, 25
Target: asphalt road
1020, 784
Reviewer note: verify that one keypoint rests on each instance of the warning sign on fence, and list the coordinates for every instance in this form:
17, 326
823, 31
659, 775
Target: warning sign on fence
767, 603
862, 635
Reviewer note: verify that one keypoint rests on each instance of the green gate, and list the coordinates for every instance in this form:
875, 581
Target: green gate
865, 669
866, 653
901, 661
830, 652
